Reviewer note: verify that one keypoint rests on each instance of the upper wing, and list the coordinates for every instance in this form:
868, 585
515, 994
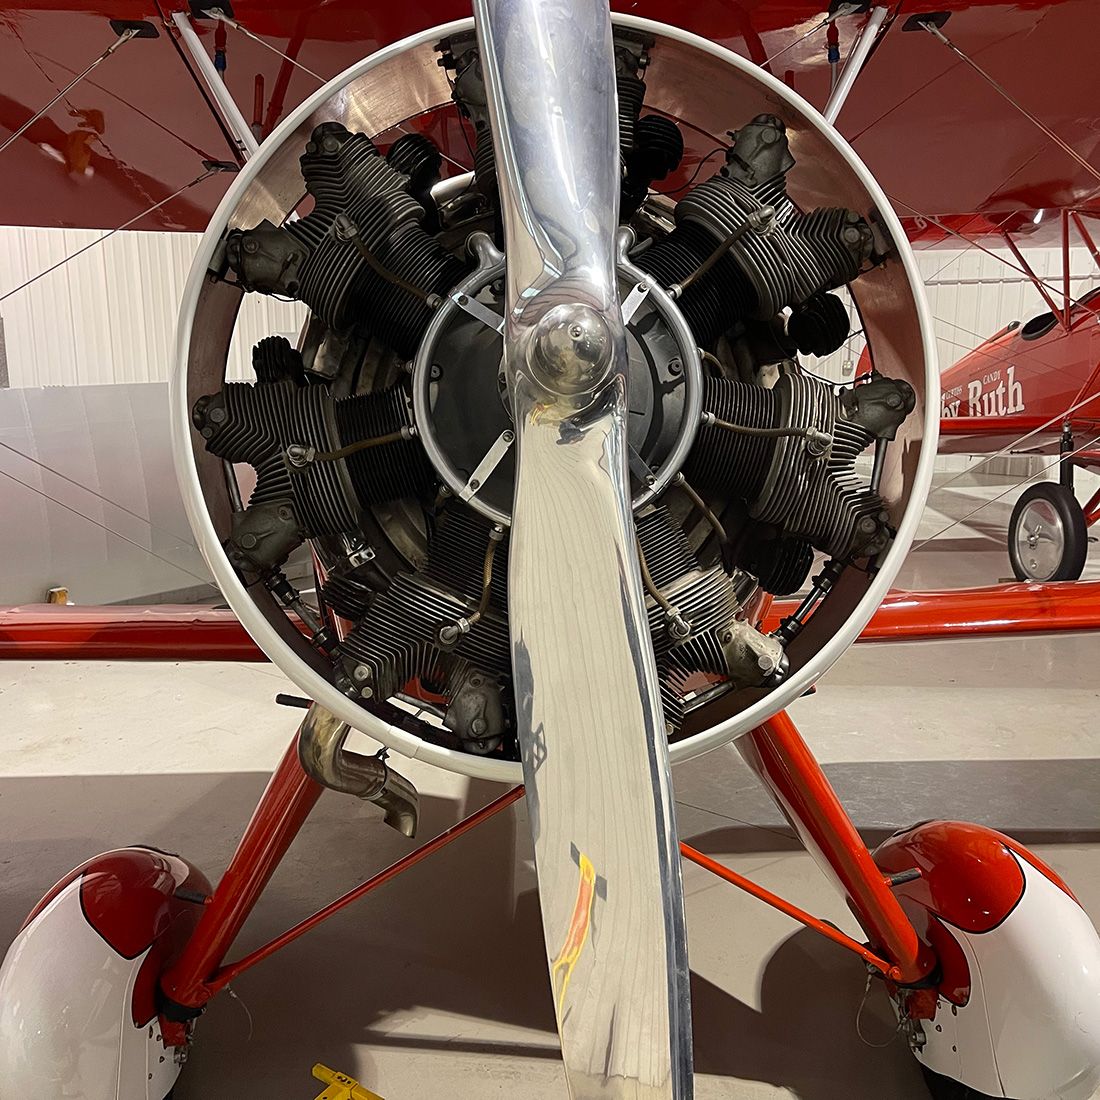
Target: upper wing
942, 141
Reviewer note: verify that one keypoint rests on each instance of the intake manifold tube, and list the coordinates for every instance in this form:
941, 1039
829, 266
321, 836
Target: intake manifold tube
324, 758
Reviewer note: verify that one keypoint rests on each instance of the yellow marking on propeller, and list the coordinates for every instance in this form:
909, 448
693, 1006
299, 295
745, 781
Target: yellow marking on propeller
579, 925
341, 1086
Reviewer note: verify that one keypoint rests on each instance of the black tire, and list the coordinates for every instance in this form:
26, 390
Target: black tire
944, 1088
1058, 513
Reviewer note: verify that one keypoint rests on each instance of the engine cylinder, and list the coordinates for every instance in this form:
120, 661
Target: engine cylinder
361, 259
789, 453
301, 441
764, 254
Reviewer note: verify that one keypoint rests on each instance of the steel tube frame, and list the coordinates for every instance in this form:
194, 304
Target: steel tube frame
789, 909
856, 60
239, 130
1067, 298
283, 808
1060, 312
226, 974
775, 751
1090, 244
1092, 509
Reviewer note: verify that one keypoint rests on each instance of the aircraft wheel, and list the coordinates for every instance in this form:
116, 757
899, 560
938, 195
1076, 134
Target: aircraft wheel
944, 1088
1047, 536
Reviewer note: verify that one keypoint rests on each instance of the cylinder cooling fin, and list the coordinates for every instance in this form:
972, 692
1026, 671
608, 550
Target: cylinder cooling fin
361, 258
780, 492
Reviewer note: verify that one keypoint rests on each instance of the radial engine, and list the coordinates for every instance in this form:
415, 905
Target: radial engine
385, 439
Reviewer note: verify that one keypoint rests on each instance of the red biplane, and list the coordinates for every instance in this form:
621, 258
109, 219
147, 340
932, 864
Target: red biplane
1034, 389
489, 194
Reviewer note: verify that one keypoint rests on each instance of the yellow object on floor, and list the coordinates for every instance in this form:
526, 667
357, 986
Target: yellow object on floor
341, 1086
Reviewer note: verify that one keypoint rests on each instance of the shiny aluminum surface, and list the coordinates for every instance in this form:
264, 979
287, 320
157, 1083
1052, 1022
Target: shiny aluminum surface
402, 80
591, 731
1040, 540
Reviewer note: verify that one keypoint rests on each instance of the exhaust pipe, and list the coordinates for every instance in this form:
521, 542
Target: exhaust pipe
324, 758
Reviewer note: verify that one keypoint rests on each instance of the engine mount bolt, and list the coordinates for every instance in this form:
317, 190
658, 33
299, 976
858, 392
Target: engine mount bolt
248, 541
361, 673
478, 726
217, 415
868, 524
251, 245
766, 662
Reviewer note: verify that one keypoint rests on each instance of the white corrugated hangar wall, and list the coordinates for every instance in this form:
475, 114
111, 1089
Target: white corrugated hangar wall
110, 314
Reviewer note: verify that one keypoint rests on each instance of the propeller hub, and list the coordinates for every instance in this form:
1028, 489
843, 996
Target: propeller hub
570, 349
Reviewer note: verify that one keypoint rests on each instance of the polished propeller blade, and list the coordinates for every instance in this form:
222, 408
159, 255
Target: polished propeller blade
589, 716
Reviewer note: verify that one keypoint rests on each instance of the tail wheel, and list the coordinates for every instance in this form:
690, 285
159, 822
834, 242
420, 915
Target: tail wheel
1047, 535
944, 1088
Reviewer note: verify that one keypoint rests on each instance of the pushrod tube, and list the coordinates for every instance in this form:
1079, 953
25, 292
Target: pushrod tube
777, 753
282, 810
